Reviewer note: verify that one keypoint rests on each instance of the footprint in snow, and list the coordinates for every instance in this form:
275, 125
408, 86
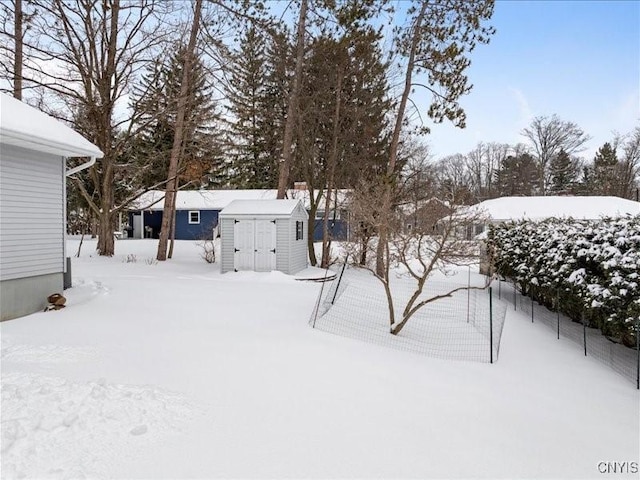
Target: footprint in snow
139, 430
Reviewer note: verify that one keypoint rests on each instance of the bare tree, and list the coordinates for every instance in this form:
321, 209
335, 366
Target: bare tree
495, 154
84, 56
14, 20
548, 136
628, 173
434, 43
18, 37
168, 216
292, 106
437, 241
454, 178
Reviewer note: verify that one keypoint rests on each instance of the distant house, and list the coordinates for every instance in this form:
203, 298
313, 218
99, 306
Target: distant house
424, 214
33, 152
197, 212
263, 235
504, 209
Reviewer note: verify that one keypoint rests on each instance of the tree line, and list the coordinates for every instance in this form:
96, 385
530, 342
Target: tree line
547, 162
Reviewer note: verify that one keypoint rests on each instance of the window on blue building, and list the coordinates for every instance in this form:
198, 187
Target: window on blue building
194, 216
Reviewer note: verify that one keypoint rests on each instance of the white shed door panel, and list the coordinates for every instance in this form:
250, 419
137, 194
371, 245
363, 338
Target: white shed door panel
243, 235
255, 245
265, 246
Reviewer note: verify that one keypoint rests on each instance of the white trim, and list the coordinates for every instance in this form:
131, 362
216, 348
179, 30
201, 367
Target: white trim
189, 217
64, 216
26, 140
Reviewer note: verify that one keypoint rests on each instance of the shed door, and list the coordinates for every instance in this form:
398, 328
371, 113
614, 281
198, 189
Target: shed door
265, 245
243, 239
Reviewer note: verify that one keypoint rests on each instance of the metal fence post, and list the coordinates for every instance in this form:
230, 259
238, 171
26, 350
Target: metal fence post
638, 353
315, 317
490, 325
468, 293
531, 293
584, 333
339, 281
515, 301
558, 310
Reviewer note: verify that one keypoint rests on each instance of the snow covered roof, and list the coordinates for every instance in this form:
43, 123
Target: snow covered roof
260, 207
202, 199
24, 126
538, 208
219, 199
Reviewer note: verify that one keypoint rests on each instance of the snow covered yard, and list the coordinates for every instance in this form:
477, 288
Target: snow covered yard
173, 370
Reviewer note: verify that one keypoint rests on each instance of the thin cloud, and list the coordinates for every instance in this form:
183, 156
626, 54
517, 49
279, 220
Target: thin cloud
627, 111
526, 114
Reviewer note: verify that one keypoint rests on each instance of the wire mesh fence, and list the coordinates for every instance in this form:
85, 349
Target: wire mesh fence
466, 325
621, 359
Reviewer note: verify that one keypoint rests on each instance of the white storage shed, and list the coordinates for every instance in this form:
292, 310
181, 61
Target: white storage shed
263, 235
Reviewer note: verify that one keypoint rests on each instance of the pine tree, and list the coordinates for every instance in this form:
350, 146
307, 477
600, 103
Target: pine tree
279, 66
604, 173
564, 172
249, 165
518, 176
151, 151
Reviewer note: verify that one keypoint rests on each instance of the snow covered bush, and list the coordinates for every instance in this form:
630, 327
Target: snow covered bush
578, 266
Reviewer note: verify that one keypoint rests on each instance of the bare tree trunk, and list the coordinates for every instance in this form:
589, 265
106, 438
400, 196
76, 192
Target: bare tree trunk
326, 242
383, 231
363, 253
173, 234
105, 234
170, 196
80, 246
333, 160
311, 227
18, 39
292, 108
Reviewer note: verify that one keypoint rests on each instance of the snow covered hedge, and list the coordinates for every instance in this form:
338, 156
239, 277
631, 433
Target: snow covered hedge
576, 265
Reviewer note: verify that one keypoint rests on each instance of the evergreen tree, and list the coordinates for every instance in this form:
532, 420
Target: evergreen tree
564, 173
279, 65
253, 94
604, 173
150, 153
518, 176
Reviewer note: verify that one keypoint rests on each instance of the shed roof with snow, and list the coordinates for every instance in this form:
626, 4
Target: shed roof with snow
538, 208
260, 207
263, 235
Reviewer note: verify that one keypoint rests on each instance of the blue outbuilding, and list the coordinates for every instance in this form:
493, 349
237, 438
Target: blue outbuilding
197, 213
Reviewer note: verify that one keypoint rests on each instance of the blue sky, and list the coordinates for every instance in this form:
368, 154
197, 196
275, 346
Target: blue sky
577, 59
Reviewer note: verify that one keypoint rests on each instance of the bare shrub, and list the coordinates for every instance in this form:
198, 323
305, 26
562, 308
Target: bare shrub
208, 250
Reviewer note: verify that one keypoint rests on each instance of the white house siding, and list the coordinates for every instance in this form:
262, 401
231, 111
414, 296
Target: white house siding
31, 213
226, 245
283, 240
